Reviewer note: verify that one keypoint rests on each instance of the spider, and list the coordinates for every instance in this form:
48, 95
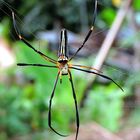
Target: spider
64, 66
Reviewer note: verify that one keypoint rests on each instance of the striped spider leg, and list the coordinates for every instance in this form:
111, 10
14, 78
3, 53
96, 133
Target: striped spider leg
64, 66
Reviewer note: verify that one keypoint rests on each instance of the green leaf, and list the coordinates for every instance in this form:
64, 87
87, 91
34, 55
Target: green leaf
108, 15
136, 5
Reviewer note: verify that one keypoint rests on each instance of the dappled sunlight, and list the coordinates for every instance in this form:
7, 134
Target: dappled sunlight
7, 58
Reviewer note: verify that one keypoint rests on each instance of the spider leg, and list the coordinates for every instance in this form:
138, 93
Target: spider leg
89, 32
89, 68
99, 74
50, 105
28, 44
36, 65
76, 106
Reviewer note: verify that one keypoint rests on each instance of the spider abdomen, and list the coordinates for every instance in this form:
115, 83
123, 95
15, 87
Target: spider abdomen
63, 68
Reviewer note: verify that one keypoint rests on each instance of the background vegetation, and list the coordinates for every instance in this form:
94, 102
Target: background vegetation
25, 92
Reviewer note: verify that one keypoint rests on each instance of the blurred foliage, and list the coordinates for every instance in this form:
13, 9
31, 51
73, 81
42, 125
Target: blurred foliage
104, 106
24, 99
38, 15
108, 15
136, 5
4, 30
